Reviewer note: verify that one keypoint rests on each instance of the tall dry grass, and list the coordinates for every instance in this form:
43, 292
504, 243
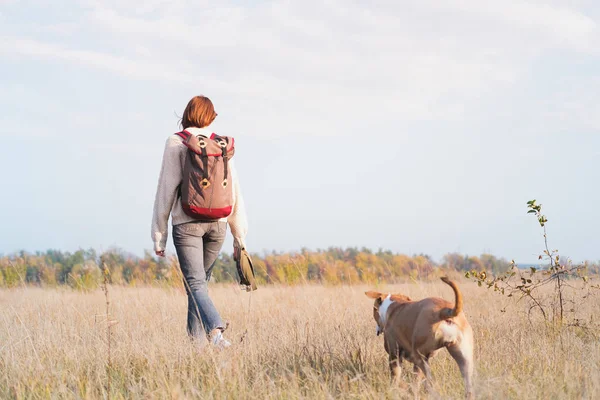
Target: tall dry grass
290, 342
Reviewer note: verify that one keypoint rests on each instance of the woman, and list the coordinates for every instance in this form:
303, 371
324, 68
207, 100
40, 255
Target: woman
197, 242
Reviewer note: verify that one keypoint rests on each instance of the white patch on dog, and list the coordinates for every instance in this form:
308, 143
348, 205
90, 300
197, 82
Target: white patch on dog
449, 332
383, 308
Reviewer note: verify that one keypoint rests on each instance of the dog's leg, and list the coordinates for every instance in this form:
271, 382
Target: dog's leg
395, 366
463, 355
395, 357
422, 364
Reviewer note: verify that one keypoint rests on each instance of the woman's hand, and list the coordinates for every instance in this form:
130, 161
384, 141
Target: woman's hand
160, 253
238, 246
237, 252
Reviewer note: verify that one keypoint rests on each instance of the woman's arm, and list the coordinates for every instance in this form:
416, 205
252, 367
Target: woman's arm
166, 193
238, 222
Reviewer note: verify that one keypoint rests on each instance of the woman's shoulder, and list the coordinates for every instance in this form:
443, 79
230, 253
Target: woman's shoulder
174, 140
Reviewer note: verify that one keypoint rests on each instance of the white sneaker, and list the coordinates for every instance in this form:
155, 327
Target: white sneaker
218, 340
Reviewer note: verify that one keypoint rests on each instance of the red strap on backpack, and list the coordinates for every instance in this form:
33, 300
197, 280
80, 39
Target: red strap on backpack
184, 134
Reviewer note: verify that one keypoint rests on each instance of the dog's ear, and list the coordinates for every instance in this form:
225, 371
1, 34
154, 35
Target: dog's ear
373, 295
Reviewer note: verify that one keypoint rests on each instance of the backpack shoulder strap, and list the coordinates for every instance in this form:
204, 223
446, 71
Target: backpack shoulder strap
184, 134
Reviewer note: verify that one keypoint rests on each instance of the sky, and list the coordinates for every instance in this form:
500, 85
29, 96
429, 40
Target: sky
417, 126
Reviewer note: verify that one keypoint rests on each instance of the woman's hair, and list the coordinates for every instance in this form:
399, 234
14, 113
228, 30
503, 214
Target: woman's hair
198, 113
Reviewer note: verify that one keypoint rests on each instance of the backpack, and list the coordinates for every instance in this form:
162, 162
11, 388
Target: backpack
206, 187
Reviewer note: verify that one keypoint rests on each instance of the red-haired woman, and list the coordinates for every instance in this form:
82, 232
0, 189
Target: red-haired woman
197, 242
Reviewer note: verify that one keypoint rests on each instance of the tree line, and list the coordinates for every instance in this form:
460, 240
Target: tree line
83, 269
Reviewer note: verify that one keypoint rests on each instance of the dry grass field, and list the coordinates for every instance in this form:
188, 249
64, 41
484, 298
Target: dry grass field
311, 342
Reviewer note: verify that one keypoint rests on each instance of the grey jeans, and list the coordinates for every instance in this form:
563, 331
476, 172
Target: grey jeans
198, 245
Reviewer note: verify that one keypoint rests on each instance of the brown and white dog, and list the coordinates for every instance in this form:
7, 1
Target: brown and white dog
416, 330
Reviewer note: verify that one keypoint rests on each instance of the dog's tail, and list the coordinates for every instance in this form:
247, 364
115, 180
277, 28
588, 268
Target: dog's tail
458, 304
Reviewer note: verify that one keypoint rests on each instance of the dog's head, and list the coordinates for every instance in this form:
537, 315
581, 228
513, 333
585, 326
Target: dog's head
379, 298
382, 302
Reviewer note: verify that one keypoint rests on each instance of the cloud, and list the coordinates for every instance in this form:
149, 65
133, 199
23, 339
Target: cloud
331, 54
570, 27
397, 61
120, 65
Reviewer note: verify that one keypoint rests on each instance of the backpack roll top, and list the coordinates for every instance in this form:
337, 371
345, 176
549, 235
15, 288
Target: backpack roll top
206, 187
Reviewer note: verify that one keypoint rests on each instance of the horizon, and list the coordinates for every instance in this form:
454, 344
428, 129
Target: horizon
417, 127
264, 253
